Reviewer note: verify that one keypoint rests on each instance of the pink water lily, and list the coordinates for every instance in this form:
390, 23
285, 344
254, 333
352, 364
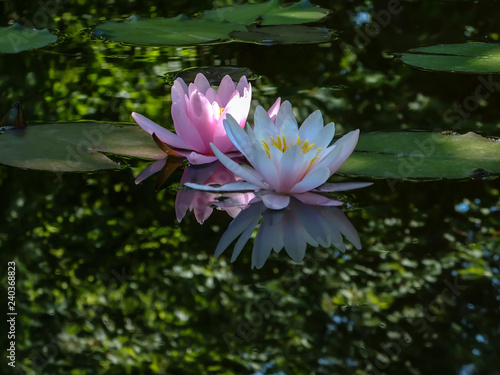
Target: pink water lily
287, 160
198, 112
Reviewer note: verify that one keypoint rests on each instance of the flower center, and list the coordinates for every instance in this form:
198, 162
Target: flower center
282, 144
221, 110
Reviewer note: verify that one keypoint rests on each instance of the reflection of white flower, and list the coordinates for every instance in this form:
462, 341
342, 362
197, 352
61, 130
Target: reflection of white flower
287, 160
292, 229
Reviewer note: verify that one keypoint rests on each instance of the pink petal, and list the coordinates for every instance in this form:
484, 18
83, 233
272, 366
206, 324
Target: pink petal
197, 159
201, 83
273, 111
179, 91
226, 90
243, 86
163, 134
238, 107
186, 130
202, 117
150, 170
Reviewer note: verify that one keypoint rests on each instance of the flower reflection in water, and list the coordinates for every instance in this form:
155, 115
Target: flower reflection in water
292, 229
200, 202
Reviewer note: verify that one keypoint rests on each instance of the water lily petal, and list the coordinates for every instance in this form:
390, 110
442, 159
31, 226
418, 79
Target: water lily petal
348, 143
289, 174
226, 91
316, 199
266, 168
179, 90
238, 137
163, 134
240, 186
311, 126
342, 186
201, 83
273, 111
243, 85
263, 243
243, 223
239, 170
346, 228
264, 126
150, 170
238, 107
324, 136
197, 158
203, 118
186, 130
284, 112
312, 180
275, 201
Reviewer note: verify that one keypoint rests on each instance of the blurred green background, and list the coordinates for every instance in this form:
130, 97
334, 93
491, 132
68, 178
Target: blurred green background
109, 283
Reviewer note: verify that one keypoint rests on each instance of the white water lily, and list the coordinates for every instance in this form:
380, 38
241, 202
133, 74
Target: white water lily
287, 160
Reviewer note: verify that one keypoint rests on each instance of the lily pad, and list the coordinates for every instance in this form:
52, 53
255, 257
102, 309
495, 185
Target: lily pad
15, 38
287, 34
463, 58
416, 155
177, 31
269, 13
73, 146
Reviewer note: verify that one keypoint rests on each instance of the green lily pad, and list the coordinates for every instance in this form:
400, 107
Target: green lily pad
269, 13
73, 146
301, 12
177, 31
287, 34
15, 38
416, 155
463, 58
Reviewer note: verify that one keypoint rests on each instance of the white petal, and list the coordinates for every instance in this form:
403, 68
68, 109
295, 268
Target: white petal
312, 125
348, 143
238, 136
284, 112
312, 180
233, 186
275, 201
343, 186
324, 136
266, 169
244, 173
262, 122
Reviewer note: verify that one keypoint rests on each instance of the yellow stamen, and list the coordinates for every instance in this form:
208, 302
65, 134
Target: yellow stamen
280, 142
221, 110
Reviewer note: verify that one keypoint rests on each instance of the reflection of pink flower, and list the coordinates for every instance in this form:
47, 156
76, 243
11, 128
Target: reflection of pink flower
198, 112
292, 229
287, 160
201, 203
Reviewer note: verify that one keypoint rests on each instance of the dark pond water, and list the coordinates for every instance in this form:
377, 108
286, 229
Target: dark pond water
109, 282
